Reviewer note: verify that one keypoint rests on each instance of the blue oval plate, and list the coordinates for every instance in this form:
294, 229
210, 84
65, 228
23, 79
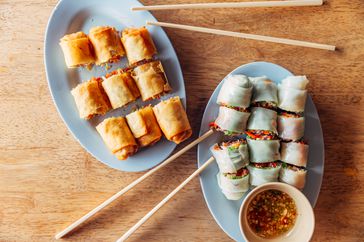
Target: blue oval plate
225, 212
71, 16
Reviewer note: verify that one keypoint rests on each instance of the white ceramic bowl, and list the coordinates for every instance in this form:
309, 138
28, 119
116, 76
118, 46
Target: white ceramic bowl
305, 221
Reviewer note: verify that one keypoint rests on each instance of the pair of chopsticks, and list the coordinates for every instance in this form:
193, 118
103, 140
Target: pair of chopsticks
287, 3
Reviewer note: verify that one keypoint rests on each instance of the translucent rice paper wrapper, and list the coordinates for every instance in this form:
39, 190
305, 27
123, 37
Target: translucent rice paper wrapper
292, 177
236, 91
232, 120
296, 82
264, 90
259, 176
292, 93
230, 161
263, 119
233, 189
262, 151
291, 128
294, 153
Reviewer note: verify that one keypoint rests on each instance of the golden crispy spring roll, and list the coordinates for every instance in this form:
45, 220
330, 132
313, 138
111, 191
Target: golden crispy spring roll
138, 44
117, 137
144, 126
121, 88
77, 50
172, 119
90, 98
151, 80
107, 44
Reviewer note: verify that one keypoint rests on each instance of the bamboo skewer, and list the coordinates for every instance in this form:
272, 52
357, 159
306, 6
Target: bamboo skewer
245, 35
164, 201
131, 185
291, 3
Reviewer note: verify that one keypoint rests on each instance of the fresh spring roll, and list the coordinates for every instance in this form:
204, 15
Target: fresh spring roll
231, 155
90, 98
292, 94
117, 137
234, 185
173, 120
264, 91
231, 121
121, 88
236, 91
77, 50
294, 153
151, 80
261, 173
291, 126
144, 126
107, 44
262, 150
263, 119
292, 175
138, 44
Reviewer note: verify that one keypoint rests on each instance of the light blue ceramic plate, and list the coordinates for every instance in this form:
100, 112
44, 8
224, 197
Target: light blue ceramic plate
226, 212
71, 16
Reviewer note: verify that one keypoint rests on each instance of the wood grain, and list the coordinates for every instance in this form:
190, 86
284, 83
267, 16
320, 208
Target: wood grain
47, 180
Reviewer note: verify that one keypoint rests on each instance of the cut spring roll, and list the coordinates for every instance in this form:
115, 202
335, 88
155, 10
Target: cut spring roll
231, 121
236, 91
117, 137
77, 50
107, 44
90, 98
263, 119
138, 44
264, 91
290, 126
151, 80
261, 173
144, 126
231, 155
121, 88
292, 175
264, 148
294, 153
173, 120
234, 185
292, 94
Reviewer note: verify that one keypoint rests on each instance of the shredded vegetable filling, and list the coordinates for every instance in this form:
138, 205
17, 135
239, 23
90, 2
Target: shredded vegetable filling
271, 213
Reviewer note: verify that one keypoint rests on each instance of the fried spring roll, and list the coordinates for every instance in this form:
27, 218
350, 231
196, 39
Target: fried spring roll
263, 119
144, 126
293, 175
117, 137
294, 153
77, 50
172, 119
90, 98
290, 126
292, 94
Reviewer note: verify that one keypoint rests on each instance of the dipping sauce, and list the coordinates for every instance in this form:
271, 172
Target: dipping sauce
271, 213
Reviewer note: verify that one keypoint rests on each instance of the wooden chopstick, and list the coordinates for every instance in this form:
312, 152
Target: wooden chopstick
131, 185
291, 3
164, 201
245, 35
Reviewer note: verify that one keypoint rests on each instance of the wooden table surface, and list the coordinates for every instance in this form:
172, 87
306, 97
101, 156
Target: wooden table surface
47, 180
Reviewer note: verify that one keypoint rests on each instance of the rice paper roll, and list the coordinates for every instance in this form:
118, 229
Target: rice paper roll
296, 82
121, 89
292, 175
144, 126
231, 156
292, 94
294, 153
138, 44
77, 50
263, 173
173, 120
236, 91
151, 80
264, 90
90, 99
291, 127
106, 43
263, 119
262, 151
117, 137
231, 121
233, 186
